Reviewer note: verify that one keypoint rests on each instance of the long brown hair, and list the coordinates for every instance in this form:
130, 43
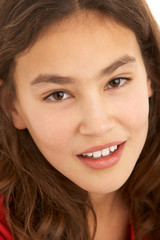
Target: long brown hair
40, 202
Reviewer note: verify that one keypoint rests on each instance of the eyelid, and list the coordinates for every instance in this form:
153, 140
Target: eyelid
118, 78
46, 98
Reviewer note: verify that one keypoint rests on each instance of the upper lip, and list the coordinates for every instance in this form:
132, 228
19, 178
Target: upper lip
101, 147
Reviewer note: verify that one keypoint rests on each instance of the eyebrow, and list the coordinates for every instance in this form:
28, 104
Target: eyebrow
53, 78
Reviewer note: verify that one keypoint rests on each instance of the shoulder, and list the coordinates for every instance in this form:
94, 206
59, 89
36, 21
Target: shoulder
5, 233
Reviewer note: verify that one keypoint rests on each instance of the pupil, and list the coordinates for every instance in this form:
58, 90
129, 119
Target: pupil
115, 82
58, 95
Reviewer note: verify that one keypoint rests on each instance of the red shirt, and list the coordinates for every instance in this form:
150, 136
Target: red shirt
5, 233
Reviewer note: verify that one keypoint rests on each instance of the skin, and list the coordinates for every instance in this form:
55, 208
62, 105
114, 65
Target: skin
91, 113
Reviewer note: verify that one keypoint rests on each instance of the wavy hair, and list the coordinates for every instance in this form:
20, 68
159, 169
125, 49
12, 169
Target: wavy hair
43, 204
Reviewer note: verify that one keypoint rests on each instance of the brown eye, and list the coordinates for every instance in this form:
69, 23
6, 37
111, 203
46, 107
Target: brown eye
117, 82
57, 96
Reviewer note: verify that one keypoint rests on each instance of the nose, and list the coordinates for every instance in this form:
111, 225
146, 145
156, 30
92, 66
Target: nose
96, 118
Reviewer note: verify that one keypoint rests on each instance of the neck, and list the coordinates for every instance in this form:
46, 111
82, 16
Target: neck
112, 216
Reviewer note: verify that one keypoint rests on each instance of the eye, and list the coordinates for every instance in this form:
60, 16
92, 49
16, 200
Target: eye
57, 96
117, 82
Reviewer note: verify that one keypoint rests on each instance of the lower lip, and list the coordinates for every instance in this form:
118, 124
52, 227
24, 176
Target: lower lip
104, 162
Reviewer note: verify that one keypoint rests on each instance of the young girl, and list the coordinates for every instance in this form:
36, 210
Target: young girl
79, 120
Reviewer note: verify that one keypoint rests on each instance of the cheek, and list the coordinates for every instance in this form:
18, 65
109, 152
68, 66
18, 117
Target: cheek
137, 113
51, 130
134, 110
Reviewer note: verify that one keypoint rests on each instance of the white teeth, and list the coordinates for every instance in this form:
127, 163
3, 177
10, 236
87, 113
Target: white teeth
105, 152
113, 148
89, 154
97, 154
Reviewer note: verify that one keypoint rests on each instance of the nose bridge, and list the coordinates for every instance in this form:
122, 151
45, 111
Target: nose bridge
96, 116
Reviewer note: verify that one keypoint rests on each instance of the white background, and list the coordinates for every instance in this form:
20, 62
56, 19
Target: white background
155, 8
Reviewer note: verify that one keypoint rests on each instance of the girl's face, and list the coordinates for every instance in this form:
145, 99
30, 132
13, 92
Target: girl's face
83, 88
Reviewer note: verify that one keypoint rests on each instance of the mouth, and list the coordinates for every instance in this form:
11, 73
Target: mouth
101, 153
104, 158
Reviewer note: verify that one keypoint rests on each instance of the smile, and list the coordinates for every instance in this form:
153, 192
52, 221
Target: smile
105, 157
103, 153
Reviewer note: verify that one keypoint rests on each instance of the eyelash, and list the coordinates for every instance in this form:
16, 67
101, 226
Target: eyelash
60, 92
64, 93
119, 79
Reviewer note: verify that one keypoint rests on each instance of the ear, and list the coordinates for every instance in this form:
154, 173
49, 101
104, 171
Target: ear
150, 91
16, 113
17, 116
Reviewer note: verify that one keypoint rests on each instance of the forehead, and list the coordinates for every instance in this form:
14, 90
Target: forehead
75, 43
80, 24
